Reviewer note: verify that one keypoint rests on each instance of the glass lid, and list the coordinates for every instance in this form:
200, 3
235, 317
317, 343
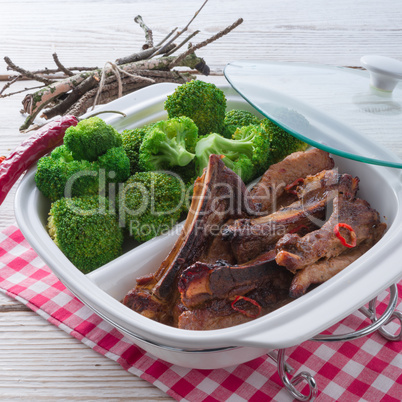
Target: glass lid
340, 110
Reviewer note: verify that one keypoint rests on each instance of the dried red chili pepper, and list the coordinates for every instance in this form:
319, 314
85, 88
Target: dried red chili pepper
245, 312
289, 187
341, 238
44, 140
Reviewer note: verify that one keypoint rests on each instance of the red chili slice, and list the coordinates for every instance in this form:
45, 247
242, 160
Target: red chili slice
245, 312
289, 187
341, 238
2, 158
41, 142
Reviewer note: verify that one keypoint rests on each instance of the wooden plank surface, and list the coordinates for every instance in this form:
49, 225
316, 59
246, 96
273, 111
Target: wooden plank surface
37, 360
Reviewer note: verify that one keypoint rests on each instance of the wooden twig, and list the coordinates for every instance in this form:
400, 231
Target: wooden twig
182, 43
75, 89
35, 101
213, 38
178, 33
60, 66
167, 37
73, 97
117, 71
194, 16
141, 55
149, 42
27, 73
21, 90
110, 92
31, 117
6, 86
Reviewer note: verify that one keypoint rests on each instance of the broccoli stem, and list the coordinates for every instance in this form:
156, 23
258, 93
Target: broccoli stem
175, 154
216, 144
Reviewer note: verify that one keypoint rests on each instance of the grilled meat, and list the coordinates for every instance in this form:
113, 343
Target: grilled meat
295, 252
202, 282
272, 185
325, 269
226, 267
223, 313
250, 237
218, 195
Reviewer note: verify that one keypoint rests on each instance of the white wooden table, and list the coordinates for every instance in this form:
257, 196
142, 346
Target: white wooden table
37, 360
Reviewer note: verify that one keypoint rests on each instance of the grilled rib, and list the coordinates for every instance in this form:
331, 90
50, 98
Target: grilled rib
325, 269
203, 282
295, 252
220, 313
272, 185
218, 195
251, 237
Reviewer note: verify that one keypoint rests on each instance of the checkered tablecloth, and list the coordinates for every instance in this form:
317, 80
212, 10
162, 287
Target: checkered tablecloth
367, 369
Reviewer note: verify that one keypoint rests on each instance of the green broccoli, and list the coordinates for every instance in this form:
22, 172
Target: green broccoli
281, 142
186, 173
86, 231
116, 165
64, 173
150, 203
59, 174
203, 102
168, 143
246, 154
132, 140
91, 138
63, 153
237, 118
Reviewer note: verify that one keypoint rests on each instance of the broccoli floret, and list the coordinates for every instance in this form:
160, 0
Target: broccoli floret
281, 142
116, 164
91, 138
150, 203
245, 154
63, 153
68, 172
237, 118
168, 143
186, 173
86, 231
58, 175
132, 140
203, 102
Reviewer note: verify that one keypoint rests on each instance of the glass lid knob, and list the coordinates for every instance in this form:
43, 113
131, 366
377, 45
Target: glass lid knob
385, 72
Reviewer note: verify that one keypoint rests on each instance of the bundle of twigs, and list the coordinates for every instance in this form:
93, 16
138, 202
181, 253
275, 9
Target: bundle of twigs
72, 90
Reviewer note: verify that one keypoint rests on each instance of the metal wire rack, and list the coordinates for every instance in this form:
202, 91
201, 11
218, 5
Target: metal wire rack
378, 323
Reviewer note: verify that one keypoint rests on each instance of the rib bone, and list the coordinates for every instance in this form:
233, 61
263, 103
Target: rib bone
251, 237
218, 195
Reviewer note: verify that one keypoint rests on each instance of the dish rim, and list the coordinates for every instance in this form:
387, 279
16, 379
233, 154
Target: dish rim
253, 333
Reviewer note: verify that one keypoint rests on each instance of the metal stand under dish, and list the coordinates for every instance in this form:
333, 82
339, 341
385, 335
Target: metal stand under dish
377, 324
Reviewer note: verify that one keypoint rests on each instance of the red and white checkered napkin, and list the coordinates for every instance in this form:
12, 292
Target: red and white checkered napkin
368, 369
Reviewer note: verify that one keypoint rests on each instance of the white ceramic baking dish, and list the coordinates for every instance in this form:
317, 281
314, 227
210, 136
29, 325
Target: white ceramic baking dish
290, 325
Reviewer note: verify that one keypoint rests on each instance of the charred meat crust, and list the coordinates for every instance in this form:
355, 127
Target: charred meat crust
299, 164
203, 282
325, 269
219, 313
295, 252
250, 237
227, 266
218, 195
